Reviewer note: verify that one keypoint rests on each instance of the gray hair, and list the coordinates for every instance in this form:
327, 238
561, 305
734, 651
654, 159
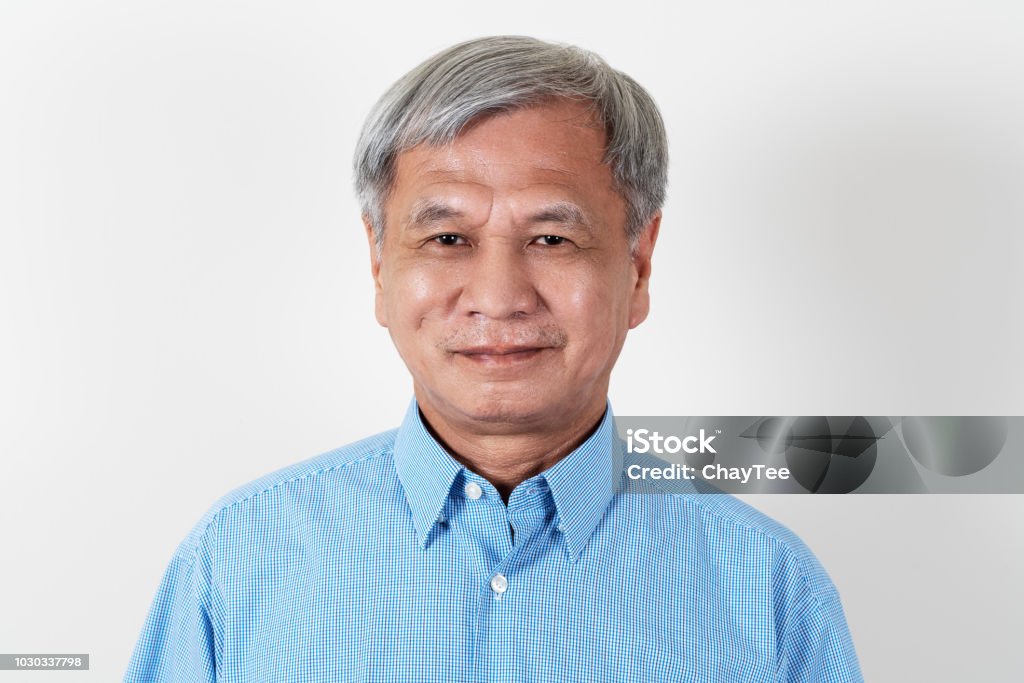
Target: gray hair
436, 100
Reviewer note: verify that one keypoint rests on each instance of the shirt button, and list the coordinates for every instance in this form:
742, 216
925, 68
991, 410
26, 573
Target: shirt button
473, 490
499, 584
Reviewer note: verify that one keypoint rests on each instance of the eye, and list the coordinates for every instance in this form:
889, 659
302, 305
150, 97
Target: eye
447, 239
550, 240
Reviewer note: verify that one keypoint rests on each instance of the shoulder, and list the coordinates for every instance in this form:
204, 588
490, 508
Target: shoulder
323, 479
709, 547
729, 534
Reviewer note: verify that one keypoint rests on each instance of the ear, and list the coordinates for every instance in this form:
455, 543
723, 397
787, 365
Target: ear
640, 303
379, 309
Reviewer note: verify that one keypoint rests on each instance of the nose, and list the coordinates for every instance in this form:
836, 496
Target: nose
498, 284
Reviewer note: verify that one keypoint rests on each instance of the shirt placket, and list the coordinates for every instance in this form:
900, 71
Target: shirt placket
497, 537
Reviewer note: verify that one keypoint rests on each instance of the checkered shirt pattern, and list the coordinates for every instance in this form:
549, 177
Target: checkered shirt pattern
388, 560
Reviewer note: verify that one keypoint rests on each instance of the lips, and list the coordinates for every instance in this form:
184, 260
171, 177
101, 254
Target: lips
500, 356
497, 350
505, 347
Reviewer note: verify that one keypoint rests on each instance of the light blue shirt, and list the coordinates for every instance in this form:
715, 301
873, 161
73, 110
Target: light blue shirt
387, 560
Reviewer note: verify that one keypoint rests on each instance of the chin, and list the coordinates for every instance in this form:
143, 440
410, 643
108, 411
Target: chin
496, 410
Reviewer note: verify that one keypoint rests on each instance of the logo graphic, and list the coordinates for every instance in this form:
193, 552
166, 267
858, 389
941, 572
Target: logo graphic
824, 454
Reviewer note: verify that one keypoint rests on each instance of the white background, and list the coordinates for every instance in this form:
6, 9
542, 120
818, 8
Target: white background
185, 300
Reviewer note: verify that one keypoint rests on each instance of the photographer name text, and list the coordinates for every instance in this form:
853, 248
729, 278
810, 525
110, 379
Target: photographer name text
647, 441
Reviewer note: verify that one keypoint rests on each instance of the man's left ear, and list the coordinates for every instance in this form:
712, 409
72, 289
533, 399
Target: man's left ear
641, 299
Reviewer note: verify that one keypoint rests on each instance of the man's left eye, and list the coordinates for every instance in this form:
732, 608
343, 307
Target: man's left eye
550, 240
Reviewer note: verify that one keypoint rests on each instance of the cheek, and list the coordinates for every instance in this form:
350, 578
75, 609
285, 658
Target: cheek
594, 306
413, 296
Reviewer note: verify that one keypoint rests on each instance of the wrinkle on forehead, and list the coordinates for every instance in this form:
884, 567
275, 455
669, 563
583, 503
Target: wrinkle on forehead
445, 164
456, 171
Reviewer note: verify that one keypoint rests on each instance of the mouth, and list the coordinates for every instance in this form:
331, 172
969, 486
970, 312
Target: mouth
500, 356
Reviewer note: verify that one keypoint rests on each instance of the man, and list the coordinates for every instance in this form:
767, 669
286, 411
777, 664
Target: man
511, 193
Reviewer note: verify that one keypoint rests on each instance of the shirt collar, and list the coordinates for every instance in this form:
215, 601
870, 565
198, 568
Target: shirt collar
425, 470
582, 483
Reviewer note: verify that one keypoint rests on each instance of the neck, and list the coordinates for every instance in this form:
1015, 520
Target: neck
507, 457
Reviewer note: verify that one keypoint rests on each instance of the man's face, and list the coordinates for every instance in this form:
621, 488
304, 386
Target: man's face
506, 278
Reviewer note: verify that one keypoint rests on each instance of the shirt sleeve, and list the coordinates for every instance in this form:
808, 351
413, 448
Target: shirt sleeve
814, 643
178, 641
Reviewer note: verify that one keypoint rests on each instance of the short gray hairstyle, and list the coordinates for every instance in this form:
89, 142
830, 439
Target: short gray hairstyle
436, 100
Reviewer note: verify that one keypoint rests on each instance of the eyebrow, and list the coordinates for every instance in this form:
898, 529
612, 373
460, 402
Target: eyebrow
562, 212
428, 211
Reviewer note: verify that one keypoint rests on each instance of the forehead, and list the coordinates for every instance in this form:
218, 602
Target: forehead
559, 143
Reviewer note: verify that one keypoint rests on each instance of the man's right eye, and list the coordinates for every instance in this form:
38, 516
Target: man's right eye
447, 239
